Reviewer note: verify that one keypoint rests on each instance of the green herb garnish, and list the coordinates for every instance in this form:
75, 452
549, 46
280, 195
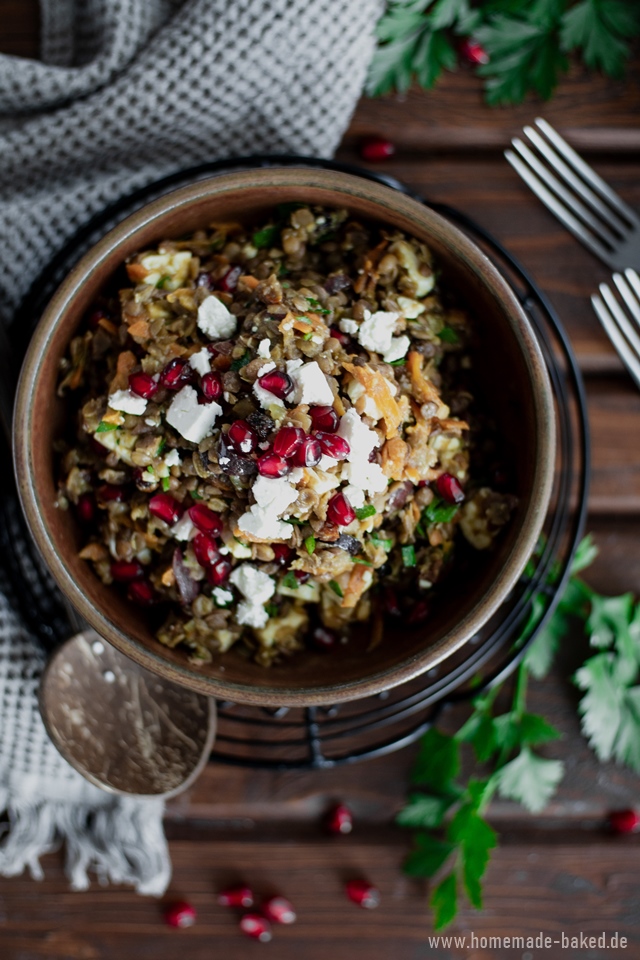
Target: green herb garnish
367, 511
382, 541
316, 305
409, 555
307, 336
448, 335
242, 361
310, 544
337, 589
438, 511
195, 495
104, 427
295, 521
365, 563
162, 282
166, 483
161, 446
272, 609
290, 580
399, 363
264, 238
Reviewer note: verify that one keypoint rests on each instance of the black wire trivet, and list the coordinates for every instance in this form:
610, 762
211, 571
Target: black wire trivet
316, 737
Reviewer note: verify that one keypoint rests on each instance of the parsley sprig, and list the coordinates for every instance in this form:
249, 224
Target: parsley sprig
527, 44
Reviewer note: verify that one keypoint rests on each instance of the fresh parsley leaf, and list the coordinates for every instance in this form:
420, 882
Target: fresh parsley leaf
423, 811
444, 901
530, 780
367, 511
409, 555
166, 483
448, 335
104, 427
272, 609
195, 495
438, 511
438, 762
610, 707
475, 839
399, 363
361, 560
480, 731
290, 580
162, 282
265, 237
610, 619
310, 544
242, 361
337, 589
307, 336
381, 541
427, 856
600, 30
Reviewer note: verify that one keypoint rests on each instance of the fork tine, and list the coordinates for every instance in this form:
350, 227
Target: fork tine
594, 201
587, 172
558, 209
544, 174
634, 280
623, 349
627, 295
620, 317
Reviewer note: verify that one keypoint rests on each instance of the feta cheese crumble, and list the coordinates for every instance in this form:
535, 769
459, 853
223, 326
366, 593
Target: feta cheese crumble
256, 587
310, 384
272, 496
193, 420
360, 474
347, 325
215, 320
376, 334
221, 596
184, 529
201, 361
172, 459
264, 348
171, 268
126, 401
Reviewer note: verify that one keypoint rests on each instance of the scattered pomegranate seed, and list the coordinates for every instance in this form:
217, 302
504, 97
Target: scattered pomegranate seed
363, 894
243, 436
283, 553
143, 384
110, 492
376, 149
86, 508
141, 592
333, 446
288, 440
340, 819
229, 281
340, 511
176, 374
279, 910
218, 572
341, 337
624, 821
205, 519
449, 488
418, 612
211, 386
473, 52
301, 576
166, 508
240, 896
324, 418
255, 926
309, 453
180, 914
271, 465
125, 570
205, 550
391, 604
277, 382
324, 639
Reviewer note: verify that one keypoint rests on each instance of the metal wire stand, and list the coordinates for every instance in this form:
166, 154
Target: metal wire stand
319, 737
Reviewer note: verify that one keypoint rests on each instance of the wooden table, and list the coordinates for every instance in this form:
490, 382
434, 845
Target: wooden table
556, 872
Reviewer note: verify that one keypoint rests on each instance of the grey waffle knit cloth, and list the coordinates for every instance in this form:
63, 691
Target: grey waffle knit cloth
127, 91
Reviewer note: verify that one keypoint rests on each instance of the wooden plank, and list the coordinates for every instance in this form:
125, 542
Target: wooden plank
533, 884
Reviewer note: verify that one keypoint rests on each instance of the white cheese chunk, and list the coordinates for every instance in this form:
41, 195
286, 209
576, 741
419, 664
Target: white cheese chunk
201, 361
376, 330
126, 401
362, 441
172, 459
171, 268
326, 463
321, 482
184, 529
215, 320
221, 596
193, 420
347, 325
310, 384
263, 525
272, 496
397, 349
251, 615
410, 308
355, 495
368, 476
256, 587
264, 348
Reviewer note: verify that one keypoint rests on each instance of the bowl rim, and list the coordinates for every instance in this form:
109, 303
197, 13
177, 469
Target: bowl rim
344, 185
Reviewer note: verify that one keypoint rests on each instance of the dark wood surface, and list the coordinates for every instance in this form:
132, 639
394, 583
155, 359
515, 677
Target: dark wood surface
557, 872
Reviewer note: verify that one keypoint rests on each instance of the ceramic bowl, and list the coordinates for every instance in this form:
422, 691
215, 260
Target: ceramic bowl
512, 384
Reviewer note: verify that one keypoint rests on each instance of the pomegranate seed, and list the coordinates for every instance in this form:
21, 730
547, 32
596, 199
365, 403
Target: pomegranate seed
143, 384
324, 418
333, 446
324, 639
271, 465
255, 926
391, 604
125, 570
340, 511
449, 488
288, 440
229, 281
340, 819
624, 821
419, 612
180, 914
110, 492
243, 436
277, 382
308, 453
363, 894
166, 508
342, 338
241, 896
376, 149
141, 592
205, 519
211, 386
473, 52
205, 550
218, 572
301, 576
283, 553
86, 508
176, 373
279, 910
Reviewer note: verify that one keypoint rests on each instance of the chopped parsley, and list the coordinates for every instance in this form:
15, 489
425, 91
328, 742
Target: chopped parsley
162, 282
242, 361
166, 483
104, 427
295, 521
381, 541
290, 580
316, 305
272, 609
264, 238
195, 495
438, 511
409, 556
307, 336
310, 544
337, 589
367, 511
161, 446
399, 363
365, 563
448, 335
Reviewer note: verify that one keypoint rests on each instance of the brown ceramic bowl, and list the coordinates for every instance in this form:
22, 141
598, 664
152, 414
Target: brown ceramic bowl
513, 386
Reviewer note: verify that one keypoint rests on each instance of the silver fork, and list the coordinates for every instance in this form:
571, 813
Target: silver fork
623, 333
577, 196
